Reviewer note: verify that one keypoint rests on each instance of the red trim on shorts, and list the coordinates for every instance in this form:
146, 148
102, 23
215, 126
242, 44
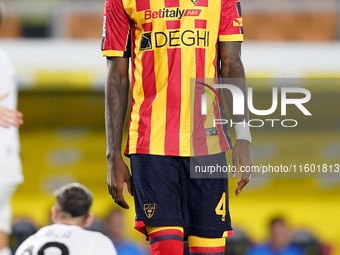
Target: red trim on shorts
140, 226
230, 233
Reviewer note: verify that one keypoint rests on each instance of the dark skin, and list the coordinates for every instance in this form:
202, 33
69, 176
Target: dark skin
116, 103
232, 67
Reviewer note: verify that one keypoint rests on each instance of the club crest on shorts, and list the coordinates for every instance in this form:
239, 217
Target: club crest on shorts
194, 1
149, 209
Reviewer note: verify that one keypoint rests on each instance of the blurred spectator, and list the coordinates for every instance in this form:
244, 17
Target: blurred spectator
306, 242
238, 244
10, 164
115, 228
21, 230
98, 225
279, 242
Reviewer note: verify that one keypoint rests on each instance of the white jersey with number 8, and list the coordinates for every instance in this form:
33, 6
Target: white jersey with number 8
61, 239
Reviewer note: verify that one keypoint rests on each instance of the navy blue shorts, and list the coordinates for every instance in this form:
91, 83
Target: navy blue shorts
165, 195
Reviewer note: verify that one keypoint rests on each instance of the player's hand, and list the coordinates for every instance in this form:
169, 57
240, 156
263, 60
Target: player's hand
117, 174
242, 156
9, 117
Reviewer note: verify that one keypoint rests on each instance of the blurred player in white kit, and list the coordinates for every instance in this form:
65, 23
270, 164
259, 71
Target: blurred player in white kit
67, 236
10, 164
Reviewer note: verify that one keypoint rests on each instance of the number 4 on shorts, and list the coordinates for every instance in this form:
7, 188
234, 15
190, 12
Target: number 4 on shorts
221, 207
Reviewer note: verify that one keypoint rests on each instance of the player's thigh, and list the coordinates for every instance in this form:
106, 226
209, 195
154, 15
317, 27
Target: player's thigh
157, 189
208, 201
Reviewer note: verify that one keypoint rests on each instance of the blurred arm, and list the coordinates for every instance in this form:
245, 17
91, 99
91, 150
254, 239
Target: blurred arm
9, 117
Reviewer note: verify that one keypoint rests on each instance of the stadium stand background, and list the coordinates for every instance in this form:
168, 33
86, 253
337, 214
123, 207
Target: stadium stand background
55, 47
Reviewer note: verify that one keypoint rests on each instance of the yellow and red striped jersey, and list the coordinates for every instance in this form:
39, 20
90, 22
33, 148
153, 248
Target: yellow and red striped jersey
171, 42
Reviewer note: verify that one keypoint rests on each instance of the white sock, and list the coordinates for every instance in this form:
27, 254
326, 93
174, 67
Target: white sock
5, 251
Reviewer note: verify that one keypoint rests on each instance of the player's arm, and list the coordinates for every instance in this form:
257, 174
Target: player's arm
116, 104
232, 67
9, 117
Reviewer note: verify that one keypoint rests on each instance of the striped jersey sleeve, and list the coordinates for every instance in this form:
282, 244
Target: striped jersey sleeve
231, 24
116, 30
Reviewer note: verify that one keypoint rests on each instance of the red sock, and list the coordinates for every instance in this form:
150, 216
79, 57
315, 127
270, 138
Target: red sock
166, 240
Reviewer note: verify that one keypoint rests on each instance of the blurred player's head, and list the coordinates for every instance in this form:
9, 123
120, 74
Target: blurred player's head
279, 233
115, 225
73, 203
